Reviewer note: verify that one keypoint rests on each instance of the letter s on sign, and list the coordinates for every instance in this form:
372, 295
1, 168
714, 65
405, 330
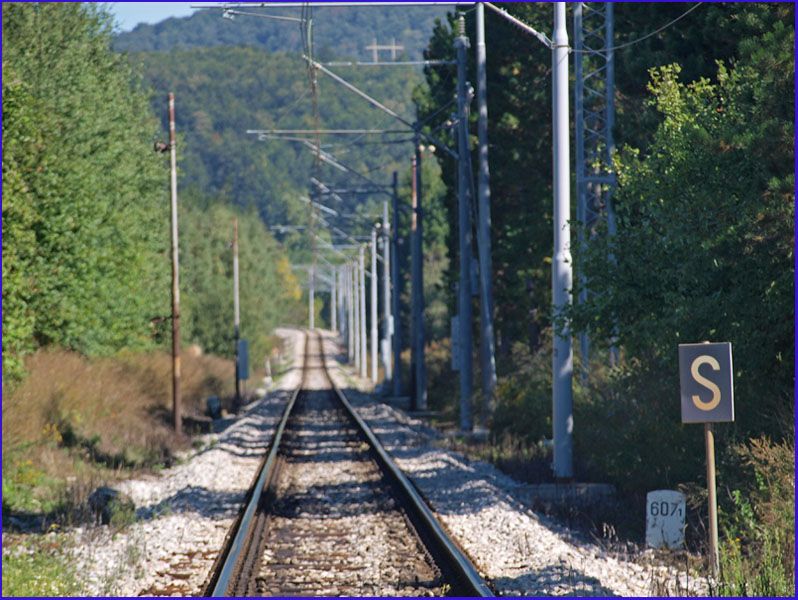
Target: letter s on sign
700, 404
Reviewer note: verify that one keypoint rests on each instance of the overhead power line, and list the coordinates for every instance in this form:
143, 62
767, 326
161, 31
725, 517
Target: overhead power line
656, 31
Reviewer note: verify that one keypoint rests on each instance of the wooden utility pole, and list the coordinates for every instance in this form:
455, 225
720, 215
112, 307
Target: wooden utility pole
236, 313
177, 418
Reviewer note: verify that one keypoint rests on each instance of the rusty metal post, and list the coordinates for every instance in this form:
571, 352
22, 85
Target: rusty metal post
176, 415
714, 559
236, 313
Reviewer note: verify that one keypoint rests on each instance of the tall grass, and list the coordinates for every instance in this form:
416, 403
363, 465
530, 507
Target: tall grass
75, 422
40, 567
758, 547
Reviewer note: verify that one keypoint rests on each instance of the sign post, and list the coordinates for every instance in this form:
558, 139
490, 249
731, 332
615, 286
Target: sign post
707, 396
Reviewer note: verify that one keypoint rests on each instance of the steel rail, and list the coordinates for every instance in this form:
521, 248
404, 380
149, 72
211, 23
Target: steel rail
228, 564
456, 568
448, 556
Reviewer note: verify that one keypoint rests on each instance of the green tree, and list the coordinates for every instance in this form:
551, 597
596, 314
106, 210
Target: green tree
19, 134
704, 251
269, 291
87, 214
519, 126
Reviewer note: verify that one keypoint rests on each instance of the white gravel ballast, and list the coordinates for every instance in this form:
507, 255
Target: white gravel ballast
185, 512
519, 552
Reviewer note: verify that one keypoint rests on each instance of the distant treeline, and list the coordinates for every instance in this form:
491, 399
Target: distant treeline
338, 32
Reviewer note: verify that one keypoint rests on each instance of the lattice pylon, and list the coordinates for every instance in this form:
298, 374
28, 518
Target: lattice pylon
595, 118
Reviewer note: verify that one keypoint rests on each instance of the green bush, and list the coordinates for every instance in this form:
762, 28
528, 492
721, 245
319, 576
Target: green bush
523, 399
26, 487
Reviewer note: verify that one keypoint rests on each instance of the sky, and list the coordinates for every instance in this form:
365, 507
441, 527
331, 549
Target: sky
130, 14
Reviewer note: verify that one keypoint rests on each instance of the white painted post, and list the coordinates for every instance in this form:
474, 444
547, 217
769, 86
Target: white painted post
362, 295
333, 303
373, 290
561, 274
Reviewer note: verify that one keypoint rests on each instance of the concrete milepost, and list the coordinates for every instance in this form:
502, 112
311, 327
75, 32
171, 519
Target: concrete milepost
707, 396
665, 513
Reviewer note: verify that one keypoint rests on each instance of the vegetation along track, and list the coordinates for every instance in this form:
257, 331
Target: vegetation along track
330, 513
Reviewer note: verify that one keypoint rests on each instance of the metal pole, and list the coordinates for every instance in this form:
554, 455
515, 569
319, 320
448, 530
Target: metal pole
396, 297
342, 324
333, 303
386, 292
594, 103
562, 276
487, 342
356, 311
373, 291
464, 234
362, 293
417, 275
177, 418
612, 227
236, 312
581, 187
714, 559
311, 299
351, 321
339, 306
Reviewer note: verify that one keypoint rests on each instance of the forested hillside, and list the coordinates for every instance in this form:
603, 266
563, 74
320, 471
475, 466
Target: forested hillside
340, 32
222, 92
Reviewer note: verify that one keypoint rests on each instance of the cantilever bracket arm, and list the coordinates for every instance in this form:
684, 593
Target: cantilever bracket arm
521, 25
377, 104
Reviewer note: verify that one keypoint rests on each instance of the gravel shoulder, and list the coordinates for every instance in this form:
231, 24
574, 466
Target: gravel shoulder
184, 513
519, 551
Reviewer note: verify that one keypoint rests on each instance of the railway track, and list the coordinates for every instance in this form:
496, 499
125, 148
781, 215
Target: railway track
330, 514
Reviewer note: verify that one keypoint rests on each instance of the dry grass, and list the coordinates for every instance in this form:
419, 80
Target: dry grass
76, 422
